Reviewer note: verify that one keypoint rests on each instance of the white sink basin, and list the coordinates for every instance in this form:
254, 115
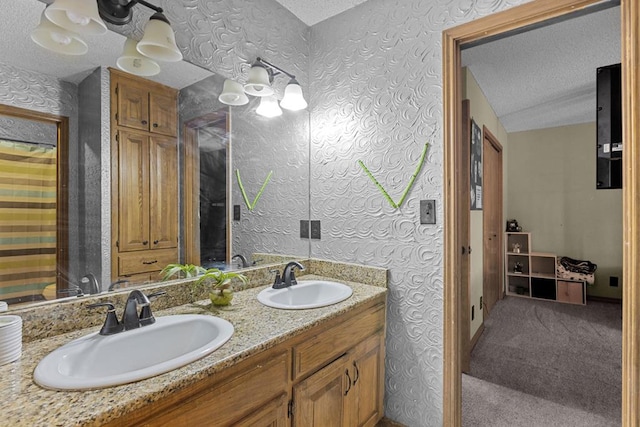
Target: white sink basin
96, 361
306, 294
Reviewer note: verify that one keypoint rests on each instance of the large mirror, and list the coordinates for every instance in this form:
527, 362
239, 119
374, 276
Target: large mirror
243, 179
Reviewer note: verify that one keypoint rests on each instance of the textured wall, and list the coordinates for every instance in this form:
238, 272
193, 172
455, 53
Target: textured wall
17, 129
90, 156
376, 92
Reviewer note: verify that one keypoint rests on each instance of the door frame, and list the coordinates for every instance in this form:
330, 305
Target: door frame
514, 18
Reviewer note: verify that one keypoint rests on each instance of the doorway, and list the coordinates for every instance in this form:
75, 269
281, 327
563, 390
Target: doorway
516, 18
207, 190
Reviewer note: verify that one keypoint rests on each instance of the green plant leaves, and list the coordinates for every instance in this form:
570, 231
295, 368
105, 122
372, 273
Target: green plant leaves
407, 189
250, 205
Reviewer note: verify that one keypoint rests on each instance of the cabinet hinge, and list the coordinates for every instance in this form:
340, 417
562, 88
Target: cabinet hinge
118, 244
290, 409
116, 117
117, 90
118, 137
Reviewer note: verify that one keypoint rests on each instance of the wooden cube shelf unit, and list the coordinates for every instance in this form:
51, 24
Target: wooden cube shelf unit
535, 275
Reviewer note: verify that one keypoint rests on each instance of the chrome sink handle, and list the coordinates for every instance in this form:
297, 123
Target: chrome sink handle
111, 325
277, 282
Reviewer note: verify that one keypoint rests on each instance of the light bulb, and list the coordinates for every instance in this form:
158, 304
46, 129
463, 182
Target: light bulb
78, 19
60, 38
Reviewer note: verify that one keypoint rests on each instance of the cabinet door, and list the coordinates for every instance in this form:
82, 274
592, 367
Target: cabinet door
163, 189
163, 114
133, 191
364, 407
319, 399
133, 105
272, 414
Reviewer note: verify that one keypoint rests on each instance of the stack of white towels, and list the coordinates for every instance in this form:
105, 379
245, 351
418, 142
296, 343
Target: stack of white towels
10, 338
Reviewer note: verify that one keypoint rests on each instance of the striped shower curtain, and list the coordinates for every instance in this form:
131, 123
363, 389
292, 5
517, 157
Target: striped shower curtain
27, 219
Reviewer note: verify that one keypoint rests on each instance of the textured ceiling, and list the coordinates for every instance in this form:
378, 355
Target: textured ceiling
313, 11
547, 77
19, 50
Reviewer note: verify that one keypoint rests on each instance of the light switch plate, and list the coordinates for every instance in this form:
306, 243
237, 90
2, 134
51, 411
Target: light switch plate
315, 229
304, 229
427, 211
236, 212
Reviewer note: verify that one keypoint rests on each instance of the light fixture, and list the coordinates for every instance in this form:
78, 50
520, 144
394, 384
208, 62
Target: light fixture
259, 81
233, 94
136, 63
269, 107
159, 41
293, 99
86, 17
57, 39
80, 16
258, 84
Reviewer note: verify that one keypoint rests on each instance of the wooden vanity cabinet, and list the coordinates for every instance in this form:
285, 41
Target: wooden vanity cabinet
268, 389
144, 177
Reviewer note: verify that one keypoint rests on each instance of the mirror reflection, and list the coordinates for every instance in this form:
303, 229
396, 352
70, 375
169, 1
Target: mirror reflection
113, 202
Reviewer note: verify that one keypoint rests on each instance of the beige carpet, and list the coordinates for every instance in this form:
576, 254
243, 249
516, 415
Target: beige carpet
561, 362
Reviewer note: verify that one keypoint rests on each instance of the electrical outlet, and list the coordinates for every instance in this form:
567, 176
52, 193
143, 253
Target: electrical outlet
427, 211
304, 229
236, 212
481, 303
613, 281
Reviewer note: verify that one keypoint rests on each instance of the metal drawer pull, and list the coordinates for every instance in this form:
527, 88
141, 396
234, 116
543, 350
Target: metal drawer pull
144, 122
355, 380
155, 242
346, 371
150, 262
145, 242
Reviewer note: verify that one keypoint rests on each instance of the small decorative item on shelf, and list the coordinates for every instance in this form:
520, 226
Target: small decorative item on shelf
515, 248
520, 290
512, 226
219, 285
217, 282
517, 268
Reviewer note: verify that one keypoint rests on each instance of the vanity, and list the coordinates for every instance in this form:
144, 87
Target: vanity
281, 367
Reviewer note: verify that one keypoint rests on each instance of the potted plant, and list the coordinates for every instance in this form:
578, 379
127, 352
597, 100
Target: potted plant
184, 271
219, 285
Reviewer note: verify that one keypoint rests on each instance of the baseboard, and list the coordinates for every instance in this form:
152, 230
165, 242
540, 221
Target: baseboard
476, 337
604, 299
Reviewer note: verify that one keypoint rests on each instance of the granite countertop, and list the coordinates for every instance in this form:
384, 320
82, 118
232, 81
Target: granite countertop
257, 328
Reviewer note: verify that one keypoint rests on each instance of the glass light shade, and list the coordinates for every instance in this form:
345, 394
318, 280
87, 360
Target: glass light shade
269, 107
159, 41
258, 82
233, 94
293, 99
57, 39
80, 16
134, 62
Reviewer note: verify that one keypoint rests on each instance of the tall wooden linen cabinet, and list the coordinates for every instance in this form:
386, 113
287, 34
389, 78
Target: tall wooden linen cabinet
144, 177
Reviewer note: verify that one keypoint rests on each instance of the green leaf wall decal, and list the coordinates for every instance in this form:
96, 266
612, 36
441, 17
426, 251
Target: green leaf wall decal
250, 205
406, 190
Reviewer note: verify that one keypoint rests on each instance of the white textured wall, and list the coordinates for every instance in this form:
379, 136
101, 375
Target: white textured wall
376, 96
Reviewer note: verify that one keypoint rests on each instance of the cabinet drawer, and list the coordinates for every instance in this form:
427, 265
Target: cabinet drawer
571, 292
329, 344
145, 261
230, 400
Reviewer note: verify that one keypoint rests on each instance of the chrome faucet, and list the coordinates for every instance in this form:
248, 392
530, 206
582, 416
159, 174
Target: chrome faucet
288, 278
131, 319
242, 259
